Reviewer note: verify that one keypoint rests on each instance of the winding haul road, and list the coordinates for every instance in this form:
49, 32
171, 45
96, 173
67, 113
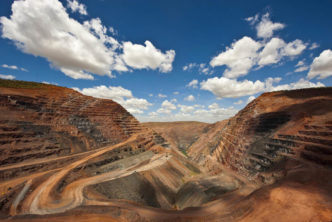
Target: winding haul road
41, 202
43, 199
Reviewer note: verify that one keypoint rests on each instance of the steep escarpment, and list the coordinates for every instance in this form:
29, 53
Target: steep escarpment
275, 133
280, 144
41, 121
205, 145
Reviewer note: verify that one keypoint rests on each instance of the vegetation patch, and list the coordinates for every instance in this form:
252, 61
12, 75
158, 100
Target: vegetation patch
20, 84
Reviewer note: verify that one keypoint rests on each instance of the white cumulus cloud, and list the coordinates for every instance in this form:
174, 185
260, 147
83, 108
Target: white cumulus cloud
265, 28
321, 67
250, 98
75, 6
186, 109
276, 49
147, 57
301, 66
44, 28
300, 84
272, 52
190, 98
166, 107
246, 53
2, 76
63, 41
314, 46
193, 83
230, 88
95, 26
239, 58
294, 48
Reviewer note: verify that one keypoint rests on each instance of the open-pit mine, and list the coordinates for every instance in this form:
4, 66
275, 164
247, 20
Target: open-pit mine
70, 157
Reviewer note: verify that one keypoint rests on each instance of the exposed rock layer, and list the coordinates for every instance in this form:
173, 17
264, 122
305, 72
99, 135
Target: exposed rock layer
277, 132
71, 157
42, 121
61, 146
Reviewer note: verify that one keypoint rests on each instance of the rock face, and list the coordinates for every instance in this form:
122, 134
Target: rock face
275, 133
69, 157
62, 150
42, 121
201, 151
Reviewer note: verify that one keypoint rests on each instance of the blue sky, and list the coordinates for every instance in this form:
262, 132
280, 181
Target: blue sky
169, 60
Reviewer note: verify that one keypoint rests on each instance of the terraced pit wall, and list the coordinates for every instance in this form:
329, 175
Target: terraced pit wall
277, 132
40, 121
